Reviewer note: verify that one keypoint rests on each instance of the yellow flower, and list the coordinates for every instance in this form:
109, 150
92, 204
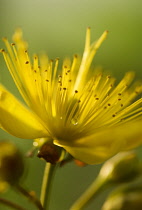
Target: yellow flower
79, 109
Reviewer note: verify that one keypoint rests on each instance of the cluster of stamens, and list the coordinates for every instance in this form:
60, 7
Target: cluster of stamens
53, 95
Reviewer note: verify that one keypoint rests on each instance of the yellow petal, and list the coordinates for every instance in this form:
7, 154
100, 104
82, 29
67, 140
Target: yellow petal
17, 120
102, 145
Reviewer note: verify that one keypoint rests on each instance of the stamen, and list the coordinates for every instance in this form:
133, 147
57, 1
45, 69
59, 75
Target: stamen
89, 53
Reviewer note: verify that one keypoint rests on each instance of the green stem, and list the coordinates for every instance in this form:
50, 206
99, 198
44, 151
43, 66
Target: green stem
11, 204
30, 196
46, 185
92, 191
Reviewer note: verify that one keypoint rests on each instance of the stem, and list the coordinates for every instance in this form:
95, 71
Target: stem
89, 194
30, 196
46, 184
11, 204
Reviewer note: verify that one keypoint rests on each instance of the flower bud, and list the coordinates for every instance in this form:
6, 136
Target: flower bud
122, 167
130, 199
50, 152
11, 164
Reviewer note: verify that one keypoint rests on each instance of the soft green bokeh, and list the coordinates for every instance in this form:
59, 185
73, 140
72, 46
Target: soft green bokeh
58, 27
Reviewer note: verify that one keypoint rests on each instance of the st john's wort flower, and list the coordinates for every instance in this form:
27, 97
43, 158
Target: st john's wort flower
77, 108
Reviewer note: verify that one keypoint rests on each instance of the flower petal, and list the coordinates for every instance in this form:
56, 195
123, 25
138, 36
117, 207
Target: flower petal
17, 120
102, 145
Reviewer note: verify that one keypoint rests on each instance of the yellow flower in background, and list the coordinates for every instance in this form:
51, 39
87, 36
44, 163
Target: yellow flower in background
79, 109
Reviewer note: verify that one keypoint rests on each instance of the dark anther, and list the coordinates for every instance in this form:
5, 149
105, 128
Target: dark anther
64, 88
113, 115
47, 80
97, 98
76, 91
2, 50
119, 94
109, 104
27, 62
12, 44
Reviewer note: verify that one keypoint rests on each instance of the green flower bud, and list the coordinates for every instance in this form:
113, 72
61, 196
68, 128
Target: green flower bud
123, 167
126, 199
11, 164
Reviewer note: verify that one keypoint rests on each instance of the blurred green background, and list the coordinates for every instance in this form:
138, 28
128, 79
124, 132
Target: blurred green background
58, 27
